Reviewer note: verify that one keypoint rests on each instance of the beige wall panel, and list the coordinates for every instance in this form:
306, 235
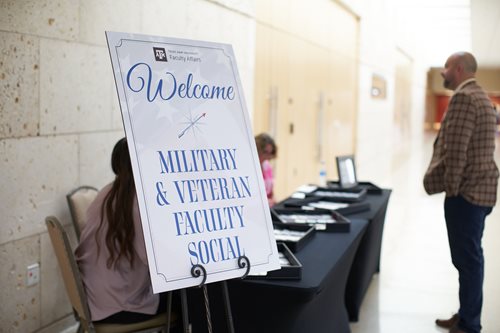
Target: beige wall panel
436, 82
97, 16
19, 85
47, 18
263, 12
116, 113
315, 24
325, 33
67, 105
280, 14
344, 36
300, 18
303, 116
325, 145
280, 77
488, 78
95, 157
402, 93
275, 13
243, 6
313, 73
20, 311
157, 13
318, 86
61, 325
430, 108
36, 174
263, 84
280, 66
330, 147
204, 21
295, 102
270, 84
375, 116
343, 104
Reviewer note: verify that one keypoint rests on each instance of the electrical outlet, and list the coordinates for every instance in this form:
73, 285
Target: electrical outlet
32, 274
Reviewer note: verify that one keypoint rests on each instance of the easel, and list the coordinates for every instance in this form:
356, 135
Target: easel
196, 272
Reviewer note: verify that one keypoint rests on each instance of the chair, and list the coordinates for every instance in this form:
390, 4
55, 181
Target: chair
76, 293
79, 201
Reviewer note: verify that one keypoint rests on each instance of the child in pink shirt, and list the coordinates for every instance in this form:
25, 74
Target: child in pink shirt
267, 150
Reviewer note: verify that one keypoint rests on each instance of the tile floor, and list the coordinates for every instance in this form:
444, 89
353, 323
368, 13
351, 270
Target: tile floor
417, 281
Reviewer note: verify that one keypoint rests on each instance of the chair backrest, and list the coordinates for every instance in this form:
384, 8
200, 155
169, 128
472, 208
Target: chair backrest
79, 201
70, 272
76, 292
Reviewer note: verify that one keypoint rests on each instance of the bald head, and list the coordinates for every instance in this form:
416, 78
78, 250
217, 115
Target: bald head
459, 67
468, 61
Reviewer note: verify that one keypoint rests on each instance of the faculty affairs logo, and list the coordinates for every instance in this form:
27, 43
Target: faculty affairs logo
160, 54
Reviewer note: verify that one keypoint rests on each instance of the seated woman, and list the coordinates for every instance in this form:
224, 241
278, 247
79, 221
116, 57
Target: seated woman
267, 150
111, 254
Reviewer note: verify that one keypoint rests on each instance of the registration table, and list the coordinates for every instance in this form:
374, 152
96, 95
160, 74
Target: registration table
367, 258
313, 304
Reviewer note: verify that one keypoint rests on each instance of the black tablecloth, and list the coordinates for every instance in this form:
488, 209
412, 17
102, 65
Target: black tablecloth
367, 259
312, 304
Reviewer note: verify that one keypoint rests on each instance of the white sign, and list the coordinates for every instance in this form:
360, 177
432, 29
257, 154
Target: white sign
196, 169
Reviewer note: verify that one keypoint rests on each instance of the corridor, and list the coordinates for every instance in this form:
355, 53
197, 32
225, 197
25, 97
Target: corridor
417, 282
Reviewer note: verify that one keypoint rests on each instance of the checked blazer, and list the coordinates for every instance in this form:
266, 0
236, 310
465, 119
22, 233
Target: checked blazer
463, 159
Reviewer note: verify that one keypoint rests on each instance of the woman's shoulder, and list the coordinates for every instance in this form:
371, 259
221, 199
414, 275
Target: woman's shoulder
103, 191
95, 206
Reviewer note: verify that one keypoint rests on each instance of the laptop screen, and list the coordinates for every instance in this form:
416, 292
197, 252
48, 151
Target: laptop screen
346, 169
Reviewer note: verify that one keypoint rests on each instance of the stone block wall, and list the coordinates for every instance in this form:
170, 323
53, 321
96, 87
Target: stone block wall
60, 118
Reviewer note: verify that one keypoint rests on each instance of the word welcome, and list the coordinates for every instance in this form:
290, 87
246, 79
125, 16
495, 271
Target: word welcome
167, 87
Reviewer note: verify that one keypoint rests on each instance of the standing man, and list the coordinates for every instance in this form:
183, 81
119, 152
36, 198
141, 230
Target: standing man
463, 167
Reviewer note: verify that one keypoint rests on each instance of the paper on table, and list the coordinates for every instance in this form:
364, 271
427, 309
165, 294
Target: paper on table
328, 205
306, 188
298, 195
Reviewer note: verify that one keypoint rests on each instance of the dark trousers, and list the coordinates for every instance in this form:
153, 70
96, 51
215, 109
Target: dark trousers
465, 224
126, 317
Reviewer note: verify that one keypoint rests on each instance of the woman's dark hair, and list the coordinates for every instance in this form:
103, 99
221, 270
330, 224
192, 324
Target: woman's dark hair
264, 139
117, 207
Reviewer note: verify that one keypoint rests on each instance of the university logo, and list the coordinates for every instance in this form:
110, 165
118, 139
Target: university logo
160, 54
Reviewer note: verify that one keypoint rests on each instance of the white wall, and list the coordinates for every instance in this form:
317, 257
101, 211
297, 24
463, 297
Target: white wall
378, 137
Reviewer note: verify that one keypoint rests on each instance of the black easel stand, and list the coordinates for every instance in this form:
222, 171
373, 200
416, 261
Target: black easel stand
197, 271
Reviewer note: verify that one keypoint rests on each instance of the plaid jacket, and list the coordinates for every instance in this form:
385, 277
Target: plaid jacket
463, 159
